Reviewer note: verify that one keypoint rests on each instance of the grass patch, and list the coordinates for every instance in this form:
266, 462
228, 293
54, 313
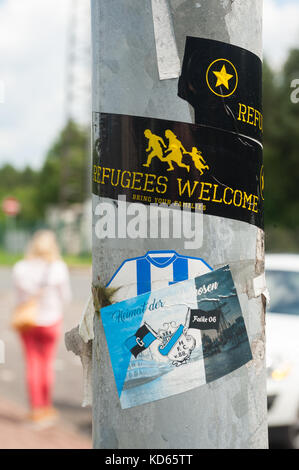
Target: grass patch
80, 261
9, 259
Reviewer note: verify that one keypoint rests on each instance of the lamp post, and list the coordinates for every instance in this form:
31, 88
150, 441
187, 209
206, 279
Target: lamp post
138, 55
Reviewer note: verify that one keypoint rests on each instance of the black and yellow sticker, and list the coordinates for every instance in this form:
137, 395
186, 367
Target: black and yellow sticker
154, 161
223, 83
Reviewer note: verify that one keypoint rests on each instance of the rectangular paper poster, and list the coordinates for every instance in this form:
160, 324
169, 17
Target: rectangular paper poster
175, 339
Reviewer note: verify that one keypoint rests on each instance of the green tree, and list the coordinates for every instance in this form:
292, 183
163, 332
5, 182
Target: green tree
21, 184
63, 177
289, 143
61, 180
281, 152
272, 101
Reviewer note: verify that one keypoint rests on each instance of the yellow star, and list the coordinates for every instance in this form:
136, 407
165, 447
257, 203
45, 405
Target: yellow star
223, 77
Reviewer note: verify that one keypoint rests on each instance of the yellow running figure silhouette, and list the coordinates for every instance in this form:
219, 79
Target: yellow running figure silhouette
176, 150
154, 144
198, 160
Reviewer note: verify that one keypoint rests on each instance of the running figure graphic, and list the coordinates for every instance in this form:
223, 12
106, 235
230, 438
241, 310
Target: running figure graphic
173, 153
198, 160
154, 144
176, 151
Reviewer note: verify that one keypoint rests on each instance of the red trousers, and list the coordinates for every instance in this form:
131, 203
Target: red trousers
40, 345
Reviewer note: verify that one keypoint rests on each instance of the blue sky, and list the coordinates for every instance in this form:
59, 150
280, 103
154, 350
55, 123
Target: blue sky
33, 69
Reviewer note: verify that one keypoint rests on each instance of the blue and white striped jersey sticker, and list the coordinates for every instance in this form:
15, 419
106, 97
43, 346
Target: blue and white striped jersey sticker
155, 270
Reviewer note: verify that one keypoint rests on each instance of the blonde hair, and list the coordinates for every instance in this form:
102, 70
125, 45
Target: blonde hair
43, 245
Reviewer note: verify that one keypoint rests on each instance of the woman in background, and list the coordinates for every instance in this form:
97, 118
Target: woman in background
44, 276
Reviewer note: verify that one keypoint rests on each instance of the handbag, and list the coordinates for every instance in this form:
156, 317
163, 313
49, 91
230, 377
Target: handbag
25, 314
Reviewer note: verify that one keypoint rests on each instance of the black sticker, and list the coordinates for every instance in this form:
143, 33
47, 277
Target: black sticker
223, 83
166, 162
201, 320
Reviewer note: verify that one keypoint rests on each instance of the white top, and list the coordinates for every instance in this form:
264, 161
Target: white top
50, 281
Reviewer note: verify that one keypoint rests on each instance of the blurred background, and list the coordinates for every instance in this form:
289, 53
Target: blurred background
45, 101
45, 111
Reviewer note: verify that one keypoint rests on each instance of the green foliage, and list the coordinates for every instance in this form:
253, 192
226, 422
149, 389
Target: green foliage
21, 184
61, 180
281, 151
63, 176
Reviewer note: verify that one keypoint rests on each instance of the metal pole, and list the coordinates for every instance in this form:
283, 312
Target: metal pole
230, 412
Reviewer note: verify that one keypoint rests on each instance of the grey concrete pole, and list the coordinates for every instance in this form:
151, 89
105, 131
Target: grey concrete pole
230, 412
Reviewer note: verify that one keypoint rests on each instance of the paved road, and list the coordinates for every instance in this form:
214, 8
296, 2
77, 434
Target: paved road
17, 433
68, 389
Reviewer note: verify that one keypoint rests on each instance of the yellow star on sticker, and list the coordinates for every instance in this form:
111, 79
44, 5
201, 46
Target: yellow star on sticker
223, 77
